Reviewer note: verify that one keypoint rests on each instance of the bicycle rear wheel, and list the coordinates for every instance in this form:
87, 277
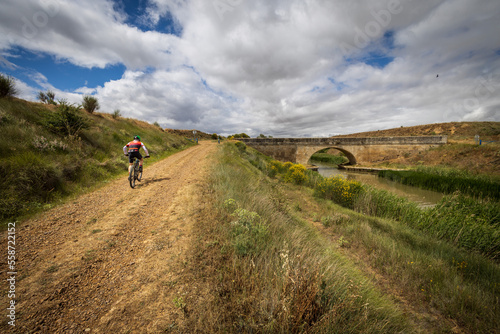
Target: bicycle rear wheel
139, 174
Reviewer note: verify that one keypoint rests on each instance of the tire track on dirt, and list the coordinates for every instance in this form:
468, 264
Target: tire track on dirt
110, 261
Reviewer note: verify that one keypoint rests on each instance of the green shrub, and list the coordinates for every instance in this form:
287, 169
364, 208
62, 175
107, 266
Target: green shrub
7, 86
241, 146
339, 190
274, 168
66, 121
295, 174
249, 232
116, 114
240, 135
90, 103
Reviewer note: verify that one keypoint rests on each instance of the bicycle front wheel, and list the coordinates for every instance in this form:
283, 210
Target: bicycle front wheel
131, 178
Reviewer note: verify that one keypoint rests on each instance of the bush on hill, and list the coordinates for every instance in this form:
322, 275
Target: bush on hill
7, 86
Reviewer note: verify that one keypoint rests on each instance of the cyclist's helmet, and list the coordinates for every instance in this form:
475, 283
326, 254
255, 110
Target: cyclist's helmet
137, 137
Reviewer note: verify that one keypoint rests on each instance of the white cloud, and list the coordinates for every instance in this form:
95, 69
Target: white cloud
280, 67
89, 34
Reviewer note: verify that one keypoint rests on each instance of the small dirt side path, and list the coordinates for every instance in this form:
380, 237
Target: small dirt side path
111, 261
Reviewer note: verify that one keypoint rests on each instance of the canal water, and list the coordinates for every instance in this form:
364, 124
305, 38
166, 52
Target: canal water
424, 198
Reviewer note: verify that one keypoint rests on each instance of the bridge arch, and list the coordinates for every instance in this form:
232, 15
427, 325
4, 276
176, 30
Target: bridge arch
350, 156
304, 153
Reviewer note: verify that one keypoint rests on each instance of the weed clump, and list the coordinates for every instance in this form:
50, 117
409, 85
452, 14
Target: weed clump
249, 232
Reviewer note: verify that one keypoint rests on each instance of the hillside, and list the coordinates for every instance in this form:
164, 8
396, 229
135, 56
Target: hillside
51, 152
189, 133
461, 151
456, 131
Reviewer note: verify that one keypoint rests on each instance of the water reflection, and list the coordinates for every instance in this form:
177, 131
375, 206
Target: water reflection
424, 198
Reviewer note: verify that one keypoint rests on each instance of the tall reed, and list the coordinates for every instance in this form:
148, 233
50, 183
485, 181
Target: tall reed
447, 181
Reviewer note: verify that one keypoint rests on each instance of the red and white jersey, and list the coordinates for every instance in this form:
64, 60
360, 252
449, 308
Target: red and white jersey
134, 146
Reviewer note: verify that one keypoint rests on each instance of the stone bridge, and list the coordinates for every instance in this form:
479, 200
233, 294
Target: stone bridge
357, 150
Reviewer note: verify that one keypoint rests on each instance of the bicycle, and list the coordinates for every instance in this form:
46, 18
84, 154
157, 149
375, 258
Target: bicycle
135, 173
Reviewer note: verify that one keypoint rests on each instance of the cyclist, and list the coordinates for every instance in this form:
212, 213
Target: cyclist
133, 151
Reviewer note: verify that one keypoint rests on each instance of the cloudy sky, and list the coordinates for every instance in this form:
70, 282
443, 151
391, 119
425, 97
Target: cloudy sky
287, 68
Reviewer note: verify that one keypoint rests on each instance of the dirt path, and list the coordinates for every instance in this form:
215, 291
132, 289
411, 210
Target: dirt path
111, 261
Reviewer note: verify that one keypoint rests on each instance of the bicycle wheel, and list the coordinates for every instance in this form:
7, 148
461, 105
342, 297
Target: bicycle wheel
132, 176
139, 174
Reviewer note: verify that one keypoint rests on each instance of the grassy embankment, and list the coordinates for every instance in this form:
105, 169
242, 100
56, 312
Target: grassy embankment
283, 260
51, 152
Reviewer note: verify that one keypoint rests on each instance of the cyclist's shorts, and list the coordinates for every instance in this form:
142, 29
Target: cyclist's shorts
132, 155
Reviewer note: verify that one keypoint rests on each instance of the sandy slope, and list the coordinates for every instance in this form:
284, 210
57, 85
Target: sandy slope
111, 261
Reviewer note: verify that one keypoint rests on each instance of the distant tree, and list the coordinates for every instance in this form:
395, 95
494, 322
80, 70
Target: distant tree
90, 103
116, 114
7, 86
157, 124
214, 136
240, 135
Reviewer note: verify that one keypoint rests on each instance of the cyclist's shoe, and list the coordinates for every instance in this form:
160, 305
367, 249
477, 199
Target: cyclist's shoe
140, 169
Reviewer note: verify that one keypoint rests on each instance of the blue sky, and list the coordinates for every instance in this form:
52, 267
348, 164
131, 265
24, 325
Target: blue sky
279, 67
